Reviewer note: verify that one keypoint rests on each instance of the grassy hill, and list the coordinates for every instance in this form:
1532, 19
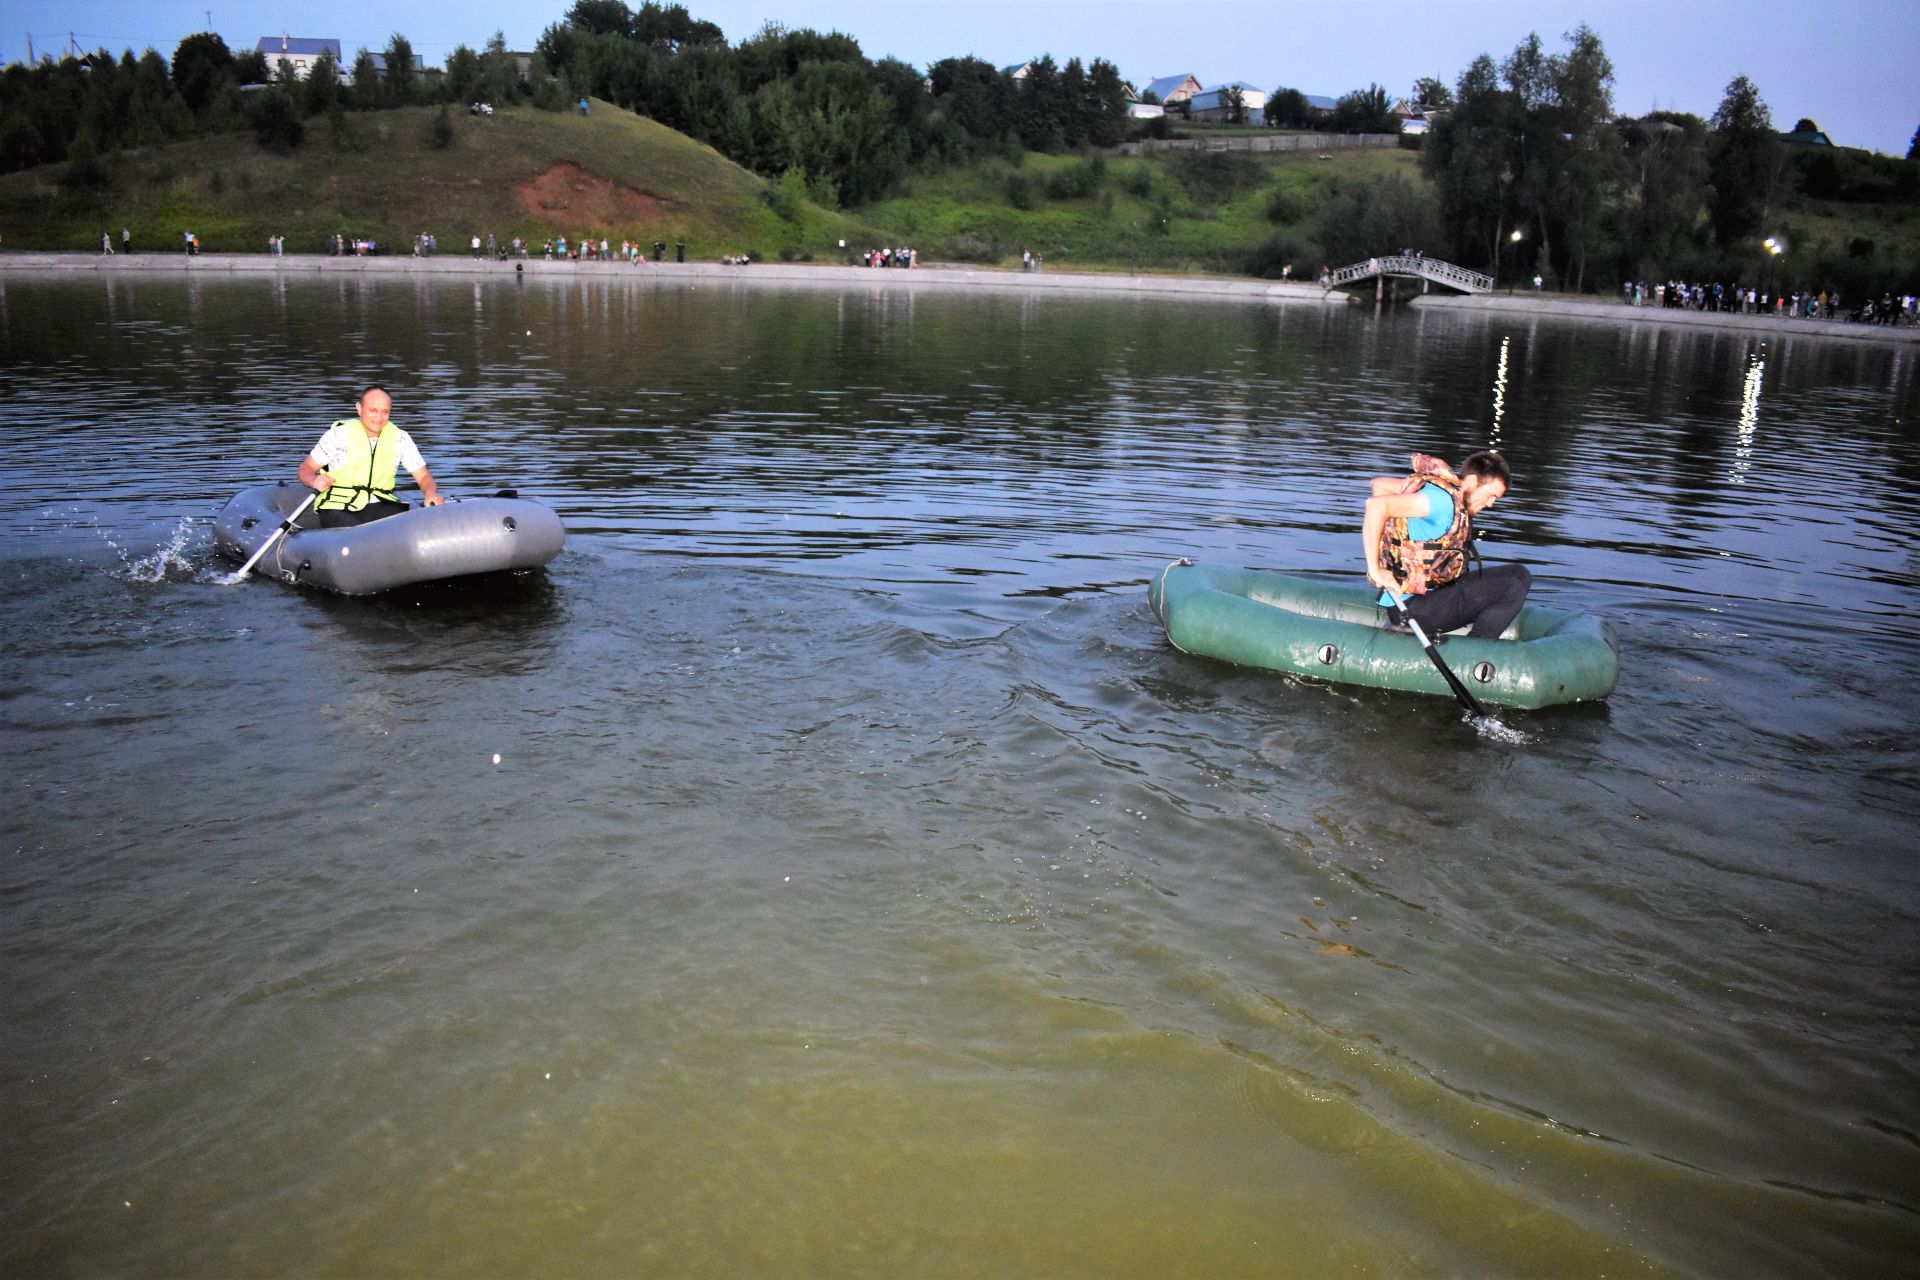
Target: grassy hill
538, 174
519, 172
1229, 212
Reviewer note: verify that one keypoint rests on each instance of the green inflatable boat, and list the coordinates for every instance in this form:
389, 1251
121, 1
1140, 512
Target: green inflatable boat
1330, 632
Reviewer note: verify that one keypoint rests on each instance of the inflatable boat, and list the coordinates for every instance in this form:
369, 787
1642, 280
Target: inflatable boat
1326, 631
473, 535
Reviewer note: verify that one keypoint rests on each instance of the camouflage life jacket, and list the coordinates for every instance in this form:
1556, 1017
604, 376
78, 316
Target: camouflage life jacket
1422, 566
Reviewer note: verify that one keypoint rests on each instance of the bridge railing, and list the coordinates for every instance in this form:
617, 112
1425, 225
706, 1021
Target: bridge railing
1421, 268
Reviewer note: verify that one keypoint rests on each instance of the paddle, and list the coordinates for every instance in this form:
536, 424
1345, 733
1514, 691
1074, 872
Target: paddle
1467, 700
281, 532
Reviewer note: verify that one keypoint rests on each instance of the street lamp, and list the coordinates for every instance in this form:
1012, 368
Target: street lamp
1517, 236
1775, 247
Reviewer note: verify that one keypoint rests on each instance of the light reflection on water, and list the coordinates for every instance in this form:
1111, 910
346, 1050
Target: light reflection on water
864, 885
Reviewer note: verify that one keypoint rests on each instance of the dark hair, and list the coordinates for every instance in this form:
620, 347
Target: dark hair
374, 386
1489, 464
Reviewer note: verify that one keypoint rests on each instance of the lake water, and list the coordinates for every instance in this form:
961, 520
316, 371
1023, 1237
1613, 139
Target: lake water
864, 886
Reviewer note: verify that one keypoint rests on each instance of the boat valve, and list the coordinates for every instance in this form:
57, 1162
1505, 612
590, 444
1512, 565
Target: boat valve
1483, 672
1329, 654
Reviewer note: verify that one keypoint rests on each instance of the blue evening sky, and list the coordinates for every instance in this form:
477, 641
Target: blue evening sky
1853, 66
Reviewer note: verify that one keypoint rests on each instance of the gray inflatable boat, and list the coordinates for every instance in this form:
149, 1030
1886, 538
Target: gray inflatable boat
472, 535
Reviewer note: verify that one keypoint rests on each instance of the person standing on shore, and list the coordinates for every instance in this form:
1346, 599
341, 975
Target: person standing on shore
106, 243
126, 240
353, 466
1418, 537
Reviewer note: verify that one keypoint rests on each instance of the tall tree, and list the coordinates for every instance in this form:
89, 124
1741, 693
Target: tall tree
1743, 163
1583, 96
201, 63
400, 77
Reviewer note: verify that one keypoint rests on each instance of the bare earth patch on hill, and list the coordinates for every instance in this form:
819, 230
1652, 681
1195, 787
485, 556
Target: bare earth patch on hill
564, 193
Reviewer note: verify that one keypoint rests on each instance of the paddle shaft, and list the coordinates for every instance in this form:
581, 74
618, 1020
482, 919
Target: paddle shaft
277, 534
1467, 699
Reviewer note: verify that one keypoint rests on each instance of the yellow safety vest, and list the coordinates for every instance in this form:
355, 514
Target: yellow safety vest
366, 473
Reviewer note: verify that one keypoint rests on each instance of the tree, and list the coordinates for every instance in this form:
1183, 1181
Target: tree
1913, 148
1286, 109
1360, 221
1431, 92
276, 121
1805, 125
321, 89
601, 17
1583, 97
366, 82
1743, 163
1106, 104
463, 75
1236, 104
1364, 111
499, 73
400, 77
201, 63
1662, 195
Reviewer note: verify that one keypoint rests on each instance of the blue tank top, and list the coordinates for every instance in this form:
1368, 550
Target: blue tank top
1438, 520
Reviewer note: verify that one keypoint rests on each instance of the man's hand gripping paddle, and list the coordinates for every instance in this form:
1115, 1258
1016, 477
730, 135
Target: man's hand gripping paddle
240, 575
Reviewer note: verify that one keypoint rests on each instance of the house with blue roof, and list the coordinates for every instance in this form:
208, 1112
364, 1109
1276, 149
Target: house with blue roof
1170, 89
301, 51
1211, 104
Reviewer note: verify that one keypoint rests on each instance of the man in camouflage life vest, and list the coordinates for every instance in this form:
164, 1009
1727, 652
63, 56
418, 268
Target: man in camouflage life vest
1418, 537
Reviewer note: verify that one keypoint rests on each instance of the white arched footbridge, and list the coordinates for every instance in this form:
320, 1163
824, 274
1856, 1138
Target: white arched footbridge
1414, 267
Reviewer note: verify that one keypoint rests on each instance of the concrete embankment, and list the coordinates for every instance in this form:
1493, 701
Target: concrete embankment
450, 267
1619, 313
946, 277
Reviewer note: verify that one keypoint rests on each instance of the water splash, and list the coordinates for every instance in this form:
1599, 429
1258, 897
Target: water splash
1496, 730
170, 559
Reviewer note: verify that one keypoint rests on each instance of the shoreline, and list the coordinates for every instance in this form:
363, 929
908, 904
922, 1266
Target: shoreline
926, 276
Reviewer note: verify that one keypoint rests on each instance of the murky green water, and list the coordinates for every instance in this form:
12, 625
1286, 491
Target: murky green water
865, 887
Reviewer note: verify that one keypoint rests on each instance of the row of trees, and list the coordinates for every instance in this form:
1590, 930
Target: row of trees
1530, 160
800, 100
82, 108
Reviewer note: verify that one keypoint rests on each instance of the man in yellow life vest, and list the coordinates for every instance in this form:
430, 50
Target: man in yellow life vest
354, 463
1418, 536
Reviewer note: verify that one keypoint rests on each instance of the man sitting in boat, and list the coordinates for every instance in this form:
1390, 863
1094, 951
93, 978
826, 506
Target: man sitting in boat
1418, 535
354, 463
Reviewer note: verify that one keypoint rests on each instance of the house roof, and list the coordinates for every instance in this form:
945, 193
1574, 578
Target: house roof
296, 47
1320, 101
1816, 137
1215, 98
1167, 84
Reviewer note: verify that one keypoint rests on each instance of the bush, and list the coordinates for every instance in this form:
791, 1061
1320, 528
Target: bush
440, 132
1073, 182
84, 169
276, 122
1284, 206
1020, 192
788, 197
1271, 256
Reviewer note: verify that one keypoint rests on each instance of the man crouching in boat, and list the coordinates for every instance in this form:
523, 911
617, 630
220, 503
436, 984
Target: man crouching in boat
1418, 536
354, 462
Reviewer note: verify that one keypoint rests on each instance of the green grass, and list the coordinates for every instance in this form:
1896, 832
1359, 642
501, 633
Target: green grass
1164, 211
381, 177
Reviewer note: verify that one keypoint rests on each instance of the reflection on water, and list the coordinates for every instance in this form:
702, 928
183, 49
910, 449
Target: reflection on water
826, 866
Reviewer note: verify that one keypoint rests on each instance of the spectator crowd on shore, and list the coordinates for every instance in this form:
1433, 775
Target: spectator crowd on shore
1744, 300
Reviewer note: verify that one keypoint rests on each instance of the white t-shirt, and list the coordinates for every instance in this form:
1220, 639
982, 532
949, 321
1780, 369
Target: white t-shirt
332, 449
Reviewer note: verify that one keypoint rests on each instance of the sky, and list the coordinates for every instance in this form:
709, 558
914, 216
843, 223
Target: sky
1852, 66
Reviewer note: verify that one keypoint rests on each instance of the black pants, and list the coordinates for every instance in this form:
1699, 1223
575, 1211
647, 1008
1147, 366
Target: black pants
1484, 599
378, 509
